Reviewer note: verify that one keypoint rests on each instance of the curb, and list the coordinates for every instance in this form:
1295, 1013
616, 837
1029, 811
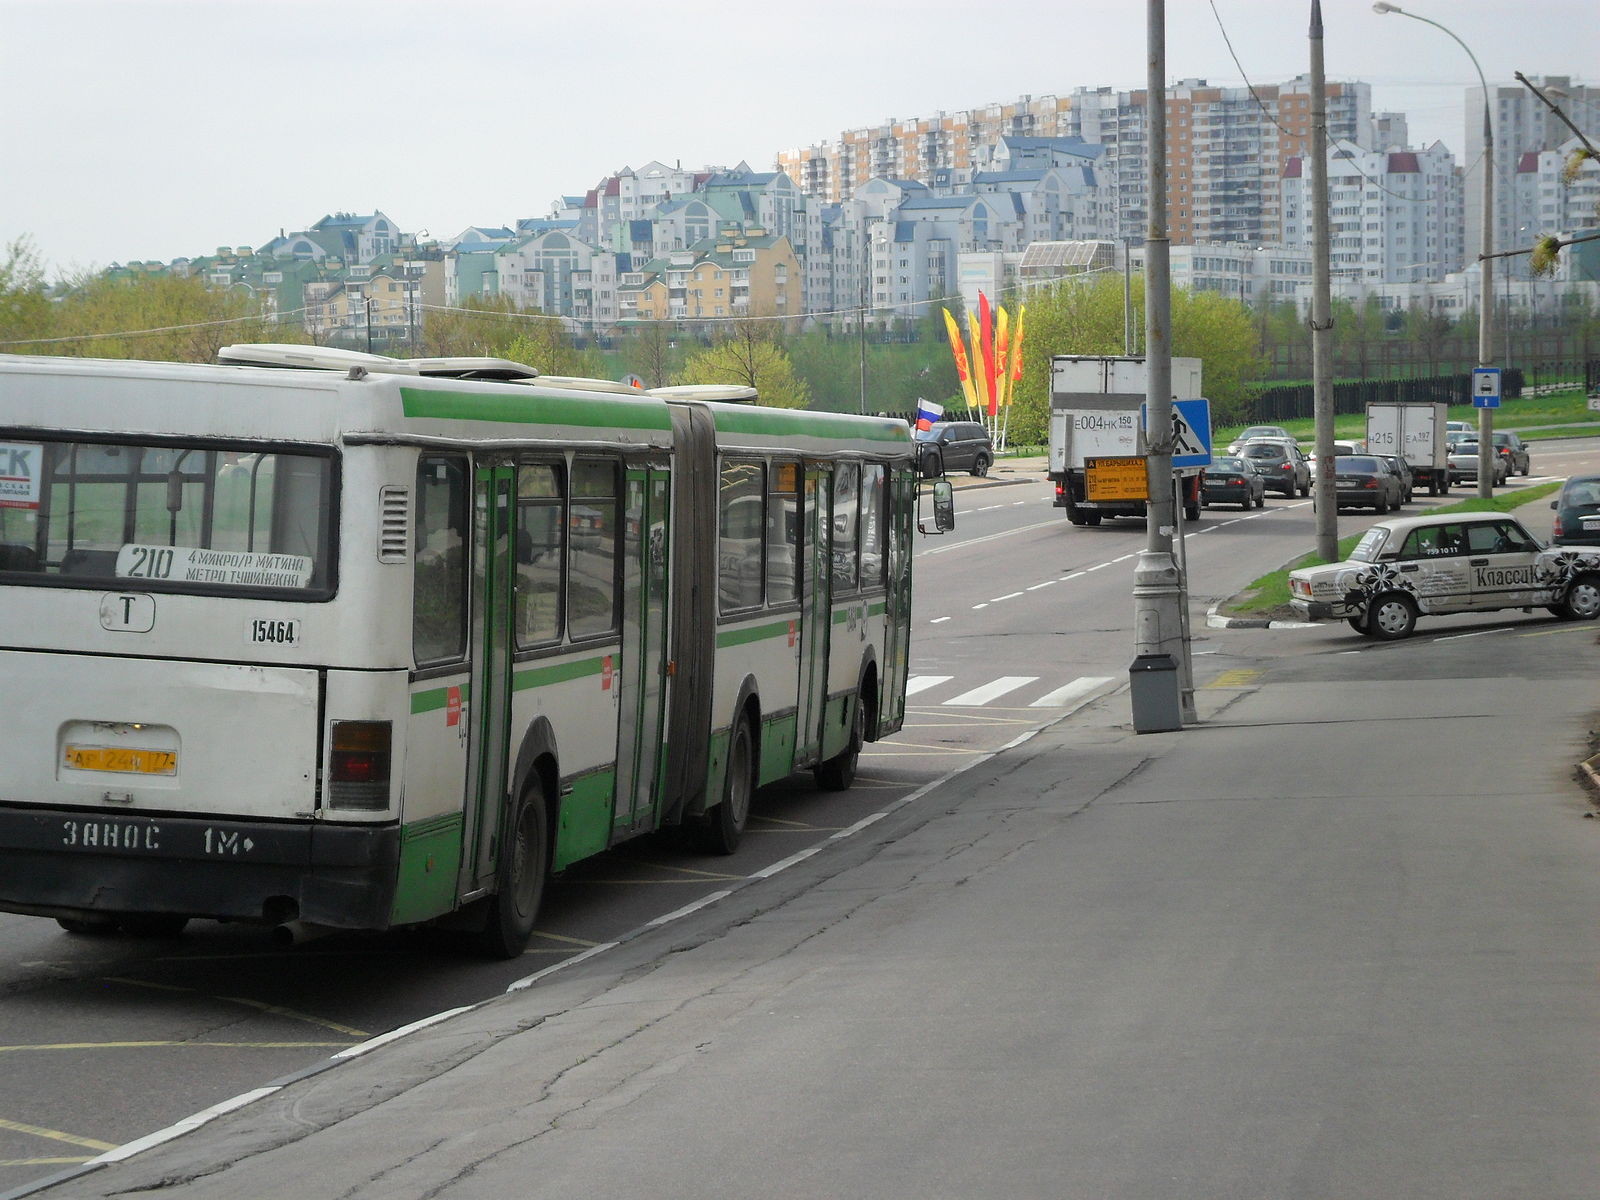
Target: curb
1215, 620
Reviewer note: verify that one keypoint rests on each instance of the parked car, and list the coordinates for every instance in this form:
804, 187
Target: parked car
1515, 451
1578, 512
963, 446
1433, 565
1233, 480
1366, 481
1460, 427
1281, 464
1259, 431
1402, 468
1463, 461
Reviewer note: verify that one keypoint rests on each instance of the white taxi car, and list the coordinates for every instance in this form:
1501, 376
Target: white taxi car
1454, 563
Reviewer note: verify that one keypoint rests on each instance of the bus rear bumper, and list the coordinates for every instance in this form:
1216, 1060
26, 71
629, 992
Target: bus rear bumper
72, 862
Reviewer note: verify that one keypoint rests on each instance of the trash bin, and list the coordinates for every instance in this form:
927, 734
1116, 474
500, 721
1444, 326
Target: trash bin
1157, 695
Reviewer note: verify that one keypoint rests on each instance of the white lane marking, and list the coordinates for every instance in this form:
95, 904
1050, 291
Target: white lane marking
1007, 596
938, 620
921, 683
1075, 690
993, 690
1037, 586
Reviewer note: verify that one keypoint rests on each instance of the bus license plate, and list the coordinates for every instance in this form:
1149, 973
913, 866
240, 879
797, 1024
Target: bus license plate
122, 760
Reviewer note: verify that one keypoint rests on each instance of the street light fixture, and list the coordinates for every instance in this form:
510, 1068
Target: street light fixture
1485, 255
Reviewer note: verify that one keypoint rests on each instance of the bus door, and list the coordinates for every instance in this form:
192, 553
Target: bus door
493, 524
816, 609
902, 498
643, 689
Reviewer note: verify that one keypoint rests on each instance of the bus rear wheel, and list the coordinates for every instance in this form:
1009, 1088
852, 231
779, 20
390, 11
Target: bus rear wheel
725, 823
512, 910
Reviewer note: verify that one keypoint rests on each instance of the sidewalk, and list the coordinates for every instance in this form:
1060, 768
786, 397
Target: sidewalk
1280, 954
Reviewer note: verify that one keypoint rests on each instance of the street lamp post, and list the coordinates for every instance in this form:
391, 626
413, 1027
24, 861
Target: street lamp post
1485, 256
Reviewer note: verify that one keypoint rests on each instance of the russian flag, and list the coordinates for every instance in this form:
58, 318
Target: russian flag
927, 413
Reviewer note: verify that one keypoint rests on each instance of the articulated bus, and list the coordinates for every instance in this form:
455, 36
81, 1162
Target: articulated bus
324, 640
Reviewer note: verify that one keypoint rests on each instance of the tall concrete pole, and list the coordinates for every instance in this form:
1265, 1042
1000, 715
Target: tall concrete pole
1321, 303
1157, 583
1486, 449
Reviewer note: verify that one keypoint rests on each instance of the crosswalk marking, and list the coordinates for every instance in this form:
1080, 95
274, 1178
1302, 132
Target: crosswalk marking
921, 683
1076, 690
992, 690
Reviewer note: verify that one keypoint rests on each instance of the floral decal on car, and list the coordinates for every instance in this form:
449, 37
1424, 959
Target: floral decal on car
1557, 568
1359, 586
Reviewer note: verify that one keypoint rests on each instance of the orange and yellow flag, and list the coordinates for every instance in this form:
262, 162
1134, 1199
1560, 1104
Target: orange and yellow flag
1016, 355
958, 349
1002, 355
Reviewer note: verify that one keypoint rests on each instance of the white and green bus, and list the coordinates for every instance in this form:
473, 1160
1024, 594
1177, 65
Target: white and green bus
324, 640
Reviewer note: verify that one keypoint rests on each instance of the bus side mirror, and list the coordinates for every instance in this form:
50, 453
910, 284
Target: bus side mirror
944, 508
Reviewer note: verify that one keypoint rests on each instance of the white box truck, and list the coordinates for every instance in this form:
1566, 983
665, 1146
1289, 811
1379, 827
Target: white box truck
1094, 413
1415, 432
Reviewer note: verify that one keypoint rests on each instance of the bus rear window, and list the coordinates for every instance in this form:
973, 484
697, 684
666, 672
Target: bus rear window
171, 517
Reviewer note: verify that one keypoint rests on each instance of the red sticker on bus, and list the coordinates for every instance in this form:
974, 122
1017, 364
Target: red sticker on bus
452, 707
605, 674
791, 635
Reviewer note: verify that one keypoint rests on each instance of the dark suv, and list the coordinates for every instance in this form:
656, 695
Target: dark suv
957, 446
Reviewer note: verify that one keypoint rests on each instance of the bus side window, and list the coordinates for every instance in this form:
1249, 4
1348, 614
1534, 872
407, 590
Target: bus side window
439, 583
740, 533
541, 509
592, 583
872, 525
846, 512
783, 527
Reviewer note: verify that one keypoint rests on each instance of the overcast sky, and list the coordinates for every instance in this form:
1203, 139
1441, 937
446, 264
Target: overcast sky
153, 130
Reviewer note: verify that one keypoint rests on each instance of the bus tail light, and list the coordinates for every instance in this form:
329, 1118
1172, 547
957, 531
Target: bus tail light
358, 771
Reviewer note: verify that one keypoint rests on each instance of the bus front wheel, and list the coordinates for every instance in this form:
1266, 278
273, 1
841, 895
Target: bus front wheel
513, 909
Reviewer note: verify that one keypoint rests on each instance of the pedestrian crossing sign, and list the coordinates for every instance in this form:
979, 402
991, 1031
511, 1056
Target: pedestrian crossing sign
1191, 432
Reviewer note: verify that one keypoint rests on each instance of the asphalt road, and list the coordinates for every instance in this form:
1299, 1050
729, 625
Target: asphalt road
1019, 620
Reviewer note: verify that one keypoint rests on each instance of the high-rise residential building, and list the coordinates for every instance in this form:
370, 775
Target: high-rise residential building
1543, 201
1522, 124
916, 148
1394, 215
1226, 150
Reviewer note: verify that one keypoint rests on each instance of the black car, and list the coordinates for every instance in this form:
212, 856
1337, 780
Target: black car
1402, 468
1365, 481
1577, 512
1515, 451
961, 446
1231, 480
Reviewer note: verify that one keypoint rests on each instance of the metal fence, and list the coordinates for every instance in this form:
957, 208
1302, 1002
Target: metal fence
1288, 402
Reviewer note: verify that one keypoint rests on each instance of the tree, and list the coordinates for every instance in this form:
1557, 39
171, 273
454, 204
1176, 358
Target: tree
24, 305
1085, 316
478, 326
750, 356
163, 317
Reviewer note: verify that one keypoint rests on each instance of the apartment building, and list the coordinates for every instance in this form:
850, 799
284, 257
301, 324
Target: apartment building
1544, 202
1226, 150
739, 273
1522, 124
916, 148
1394, 215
